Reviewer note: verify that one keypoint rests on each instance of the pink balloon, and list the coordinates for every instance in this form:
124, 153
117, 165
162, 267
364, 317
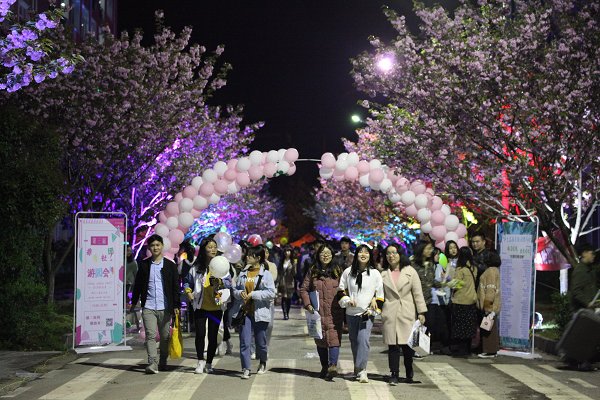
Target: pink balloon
418, 189
270, 169
231, 164
438, 232
190, 192
178, 197
162, 217
402, 182
429, 192
196, 213
230, 175
206, 189
351, 173
393, 176
401, 189
441, 245
363, 167
255, 172
437, 218
291, 155
411, 210
376, 175
221, 187
462, 242
242, 179
172, 209
328, 160
436, 203
176, 237
292, 169
461, 230
338, 175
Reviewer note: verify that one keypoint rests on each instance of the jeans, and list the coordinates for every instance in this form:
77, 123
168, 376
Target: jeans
328, 355
201, 317
260, 337
359, 332
157, 321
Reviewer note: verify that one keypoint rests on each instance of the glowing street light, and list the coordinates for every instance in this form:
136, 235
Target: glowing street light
385, 64
356, 119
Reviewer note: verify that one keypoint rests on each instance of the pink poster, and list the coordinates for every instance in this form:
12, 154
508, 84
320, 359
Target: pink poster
100, 257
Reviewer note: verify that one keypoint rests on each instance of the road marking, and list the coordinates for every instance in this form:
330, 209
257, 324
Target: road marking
81, 360
179, 384
270, 387
540, 382
375, 389
454, 384
84, 385
583, 383
549, 368
16, 392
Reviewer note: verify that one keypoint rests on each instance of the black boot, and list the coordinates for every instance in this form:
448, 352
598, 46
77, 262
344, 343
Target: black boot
409, 374
393, 381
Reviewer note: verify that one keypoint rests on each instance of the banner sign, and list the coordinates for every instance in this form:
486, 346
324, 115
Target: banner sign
100, 257
517, 248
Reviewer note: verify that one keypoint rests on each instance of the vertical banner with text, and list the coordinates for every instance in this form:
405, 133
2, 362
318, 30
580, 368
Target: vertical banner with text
99, 255
517, 247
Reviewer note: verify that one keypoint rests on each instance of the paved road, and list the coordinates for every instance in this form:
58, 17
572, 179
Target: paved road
292, 374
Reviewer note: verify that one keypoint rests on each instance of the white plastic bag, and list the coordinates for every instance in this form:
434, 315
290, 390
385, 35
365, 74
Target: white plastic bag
419, 340
313, 322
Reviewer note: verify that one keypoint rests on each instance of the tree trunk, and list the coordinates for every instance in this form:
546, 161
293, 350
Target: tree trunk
52, 264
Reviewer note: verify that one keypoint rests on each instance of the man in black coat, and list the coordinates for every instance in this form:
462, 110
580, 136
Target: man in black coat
157, 285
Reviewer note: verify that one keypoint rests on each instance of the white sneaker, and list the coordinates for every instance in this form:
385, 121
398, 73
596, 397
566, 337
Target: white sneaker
486, 355
262, 368
200, 367
246, 374
362, 377
209, 369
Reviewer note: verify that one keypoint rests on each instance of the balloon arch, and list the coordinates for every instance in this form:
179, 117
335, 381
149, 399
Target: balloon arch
229, 177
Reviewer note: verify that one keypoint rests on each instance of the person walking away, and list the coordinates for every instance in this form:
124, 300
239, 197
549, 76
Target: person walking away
254, 292
157, 285
363, 297
323, 278
403, 300
287, 274
488, 301
464, 303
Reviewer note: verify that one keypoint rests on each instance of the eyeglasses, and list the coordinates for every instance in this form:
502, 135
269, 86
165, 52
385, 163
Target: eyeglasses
392, 253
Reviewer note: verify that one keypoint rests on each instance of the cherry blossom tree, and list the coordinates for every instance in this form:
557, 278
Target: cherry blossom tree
496, 104
135, 123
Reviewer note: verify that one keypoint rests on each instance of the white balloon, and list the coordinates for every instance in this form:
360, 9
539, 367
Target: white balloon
421, 201
364, 180
243, 164
214, 199
375, 163
283, 166
353, 159
161, 229
385, 185
273, 156
197, 182
186, 219
220, 167
186, 205
426, 227
451, 236
209, 175
172, 223
232, 188
281, 153
166, 245
408, 197
394, 196
341, 164
200, 203
423, 215
256, 157
343, 156
375, 185
446, 209
451, 222
325, 173
219, 267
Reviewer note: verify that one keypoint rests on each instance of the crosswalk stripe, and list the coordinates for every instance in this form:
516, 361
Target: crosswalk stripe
16, 392
375, 389
583, 383
540, 382
454, 384
81, 360
89, 382
549, 368
179, 385
265, 387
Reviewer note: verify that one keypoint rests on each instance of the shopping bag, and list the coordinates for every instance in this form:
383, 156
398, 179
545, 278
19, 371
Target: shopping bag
176, 342
313, 322
487, 322
419, 340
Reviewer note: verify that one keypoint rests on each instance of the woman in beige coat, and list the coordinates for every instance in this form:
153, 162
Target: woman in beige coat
488, 301
403, 300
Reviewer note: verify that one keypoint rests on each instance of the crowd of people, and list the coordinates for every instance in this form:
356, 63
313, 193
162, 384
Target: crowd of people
449, 292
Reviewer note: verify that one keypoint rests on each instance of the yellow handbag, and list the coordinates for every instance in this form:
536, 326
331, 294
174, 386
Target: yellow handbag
176, 342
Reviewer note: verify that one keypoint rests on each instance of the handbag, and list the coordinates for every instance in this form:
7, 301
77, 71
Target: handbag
238, 320
176, 342
487, 323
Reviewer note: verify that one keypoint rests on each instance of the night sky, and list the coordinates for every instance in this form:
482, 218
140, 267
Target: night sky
291, 64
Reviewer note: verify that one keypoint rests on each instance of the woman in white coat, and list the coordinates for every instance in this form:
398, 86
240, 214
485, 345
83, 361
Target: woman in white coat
403, 300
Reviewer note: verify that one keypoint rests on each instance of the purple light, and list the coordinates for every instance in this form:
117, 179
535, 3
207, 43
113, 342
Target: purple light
385, 64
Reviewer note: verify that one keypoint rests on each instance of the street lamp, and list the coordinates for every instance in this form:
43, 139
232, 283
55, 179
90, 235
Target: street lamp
356, 119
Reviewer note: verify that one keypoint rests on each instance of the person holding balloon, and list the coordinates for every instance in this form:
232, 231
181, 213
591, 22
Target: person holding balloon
439, 308
207, 287
254, 292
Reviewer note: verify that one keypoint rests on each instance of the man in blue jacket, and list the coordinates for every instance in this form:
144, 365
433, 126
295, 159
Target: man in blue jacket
157, 284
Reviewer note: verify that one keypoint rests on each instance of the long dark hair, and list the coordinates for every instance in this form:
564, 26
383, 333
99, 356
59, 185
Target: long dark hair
282, 259
465, 257
331, 270
385, 264
447, 249
201, 262
418, 253
355, 269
